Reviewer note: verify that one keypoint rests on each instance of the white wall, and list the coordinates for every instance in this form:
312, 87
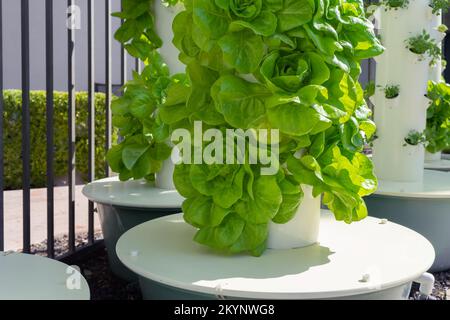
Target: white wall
12, 45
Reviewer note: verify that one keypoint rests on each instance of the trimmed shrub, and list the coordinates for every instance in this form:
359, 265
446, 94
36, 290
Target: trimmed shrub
12, 136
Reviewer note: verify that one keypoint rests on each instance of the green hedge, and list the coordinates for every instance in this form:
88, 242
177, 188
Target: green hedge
12, 136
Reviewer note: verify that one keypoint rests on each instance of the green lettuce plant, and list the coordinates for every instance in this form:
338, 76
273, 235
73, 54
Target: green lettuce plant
273, 64
442, 28
437, 131
143, 147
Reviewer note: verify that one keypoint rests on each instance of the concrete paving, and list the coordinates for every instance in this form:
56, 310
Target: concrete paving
14, 221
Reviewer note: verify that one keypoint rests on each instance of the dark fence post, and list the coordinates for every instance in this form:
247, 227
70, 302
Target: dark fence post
138, 67
25, 30
91, 120
49, 123
108, 89
71, 123
446, 49
123, 58
446, 46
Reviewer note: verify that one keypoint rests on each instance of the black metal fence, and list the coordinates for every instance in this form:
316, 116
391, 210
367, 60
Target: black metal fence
50, 152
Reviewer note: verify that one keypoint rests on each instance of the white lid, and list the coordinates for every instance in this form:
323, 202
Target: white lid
132, 193
163, 250
30, 277
435, 185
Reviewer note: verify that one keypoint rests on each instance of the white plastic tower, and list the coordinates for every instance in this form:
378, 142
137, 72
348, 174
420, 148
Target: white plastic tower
407, 194
438, 36
164, 17
396, 118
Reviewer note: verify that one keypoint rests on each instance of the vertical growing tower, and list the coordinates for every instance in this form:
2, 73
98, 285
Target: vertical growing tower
408, 194
397, 117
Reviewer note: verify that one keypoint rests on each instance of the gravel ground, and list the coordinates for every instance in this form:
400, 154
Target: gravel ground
105, 285
441, 289
62, 244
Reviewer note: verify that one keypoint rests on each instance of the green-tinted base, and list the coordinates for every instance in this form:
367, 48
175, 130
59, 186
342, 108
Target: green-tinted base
429, 217
115, 221
152, 290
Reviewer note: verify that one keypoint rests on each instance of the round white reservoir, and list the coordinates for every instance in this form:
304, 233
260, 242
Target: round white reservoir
132, 193
370, 259
423, 207
121, 205
30, 277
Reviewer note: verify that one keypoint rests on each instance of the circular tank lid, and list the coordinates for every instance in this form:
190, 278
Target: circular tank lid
30, 277
443, 165
132, 193
435, 185
359, 258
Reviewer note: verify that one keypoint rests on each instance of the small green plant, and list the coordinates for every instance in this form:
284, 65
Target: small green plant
391, 91
414, 138
370, 9
438, 5
442, 28
424, 44
395, 4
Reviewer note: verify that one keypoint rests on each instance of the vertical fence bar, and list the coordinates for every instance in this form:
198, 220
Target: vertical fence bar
124, 66
370, 78
137, 67
25, 45
71, 124
108, 89
91, 120
123, 58
446, 50
2, 218
49, 116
